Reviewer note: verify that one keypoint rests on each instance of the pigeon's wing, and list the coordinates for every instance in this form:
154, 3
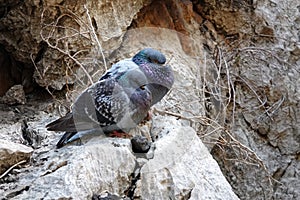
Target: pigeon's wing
62, 124
100, 105
110, 101
85, 114
114, 111
90, 110
95, 111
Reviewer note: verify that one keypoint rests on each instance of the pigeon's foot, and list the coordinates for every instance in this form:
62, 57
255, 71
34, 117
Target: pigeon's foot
119, 134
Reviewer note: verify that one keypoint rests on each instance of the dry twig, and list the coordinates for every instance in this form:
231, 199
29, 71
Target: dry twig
11, 168
94, 35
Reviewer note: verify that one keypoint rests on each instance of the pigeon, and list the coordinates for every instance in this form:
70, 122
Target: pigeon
119, 100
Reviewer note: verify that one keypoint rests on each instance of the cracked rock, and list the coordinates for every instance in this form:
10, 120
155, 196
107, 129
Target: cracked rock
79, 172
12, 153
182, 168
15, 95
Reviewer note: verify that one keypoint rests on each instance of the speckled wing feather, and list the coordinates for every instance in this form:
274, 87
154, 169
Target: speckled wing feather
84, 113
105, 106
111, 104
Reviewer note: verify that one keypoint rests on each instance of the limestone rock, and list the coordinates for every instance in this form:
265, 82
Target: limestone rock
78, 172
12, 153
182, 168
246, 62
50, 33
15, 95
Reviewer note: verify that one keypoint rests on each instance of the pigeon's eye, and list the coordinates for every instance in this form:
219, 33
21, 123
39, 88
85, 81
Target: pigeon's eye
143, 87
154, 61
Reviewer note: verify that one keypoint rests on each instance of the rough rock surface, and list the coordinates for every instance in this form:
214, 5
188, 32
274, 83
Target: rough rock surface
237, 74
37, 33
107, 164
15, 95
264, 78
78, 172
12, 153
181, 168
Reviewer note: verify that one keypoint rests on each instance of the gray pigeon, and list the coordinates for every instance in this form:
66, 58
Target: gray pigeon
120, 100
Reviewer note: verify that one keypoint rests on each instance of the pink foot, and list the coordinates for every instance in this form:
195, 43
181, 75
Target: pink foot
119, 134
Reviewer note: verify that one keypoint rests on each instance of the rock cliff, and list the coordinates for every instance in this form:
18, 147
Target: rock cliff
236, 66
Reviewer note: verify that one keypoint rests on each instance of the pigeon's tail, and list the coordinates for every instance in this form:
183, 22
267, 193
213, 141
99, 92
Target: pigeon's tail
64, 139
65, 123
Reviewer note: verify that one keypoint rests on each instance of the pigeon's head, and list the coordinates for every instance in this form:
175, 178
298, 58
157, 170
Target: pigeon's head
149, 55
